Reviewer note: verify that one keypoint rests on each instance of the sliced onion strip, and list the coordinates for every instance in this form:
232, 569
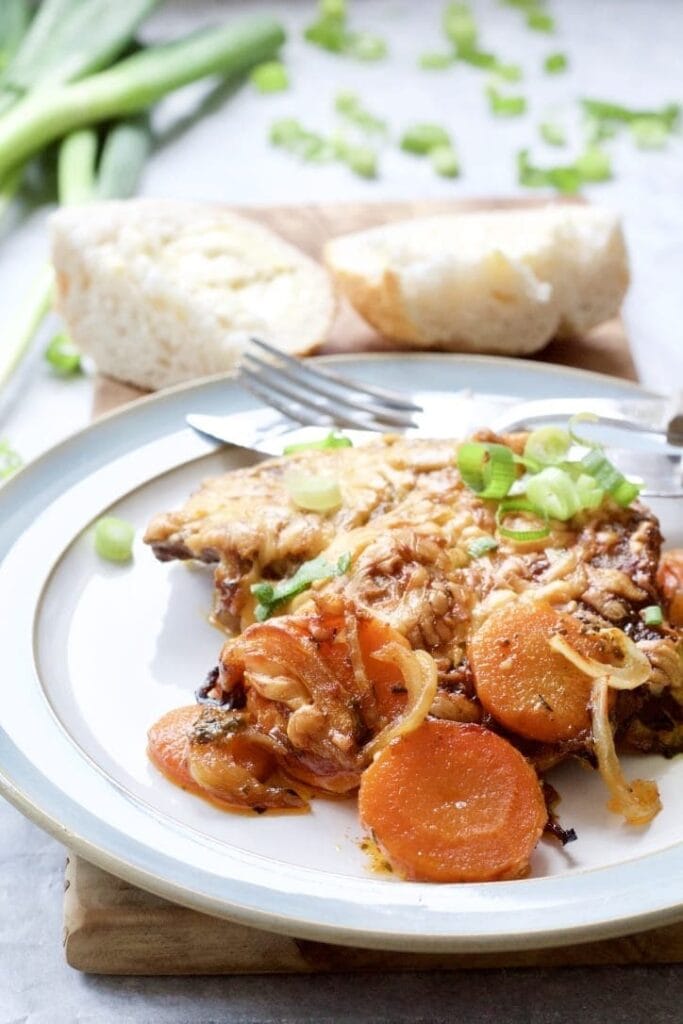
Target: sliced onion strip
420, 678
633, 672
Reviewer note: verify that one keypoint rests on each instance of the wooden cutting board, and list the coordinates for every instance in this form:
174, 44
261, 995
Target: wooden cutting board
110, 927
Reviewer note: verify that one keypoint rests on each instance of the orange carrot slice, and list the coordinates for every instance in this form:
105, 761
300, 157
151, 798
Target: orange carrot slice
168, 745
522, 682
453, 803
670, 581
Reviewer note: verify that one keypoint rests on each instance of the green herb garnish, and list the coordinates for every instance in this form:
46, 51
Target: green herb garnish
649, 133
481, 546
63, 356
594, 165
436, 61
459, 26
552, 133
10, 460
505, 106
348, 104
423, 138
333, 440
653, 615
270, 77
539, 21
271, 596
114, 539
445, 161
555, 63
603, 111
331, 32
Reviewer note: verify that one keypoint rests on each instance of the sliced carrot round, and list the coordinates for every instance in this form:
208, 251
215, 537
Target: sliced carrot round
522, 682
453, 803
167, 744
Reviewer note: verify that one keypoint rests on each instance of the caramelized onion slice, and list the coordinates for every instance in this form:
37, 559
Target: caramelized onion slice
633, 672
420, 677
638, 800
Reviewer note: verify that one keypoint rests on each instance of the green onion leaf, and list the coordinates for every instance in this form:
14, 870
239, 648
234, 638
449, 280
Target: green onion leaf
63, 356
348, 104
114, 539
270, 76
481, 546
311, 147
445, 162
602, 111
539, 21
555, 63
653, 615
271, 596
10, 460
364, 46
547, 445
565, 179
649, 133
313, 493
126, 148
552, 493
609, 478
436, 61
489, 62
590, 494
459, 26
361, 160
594, 165
511, 506
583, 417
552, 133
333, 440
505, 106
487, 469
423, 138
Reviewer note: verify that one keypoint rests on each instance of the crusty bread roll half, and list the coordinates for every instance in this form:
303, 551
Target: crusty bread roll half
501, 282
158, 292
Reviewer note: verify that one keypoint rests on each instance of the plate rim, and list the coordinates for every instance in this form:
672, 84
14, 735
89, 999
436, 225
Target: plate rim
175, 891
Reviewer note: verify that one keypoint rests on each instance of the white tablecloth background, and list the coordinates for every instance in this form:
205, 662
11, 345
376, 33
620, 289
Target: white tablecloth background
625, 50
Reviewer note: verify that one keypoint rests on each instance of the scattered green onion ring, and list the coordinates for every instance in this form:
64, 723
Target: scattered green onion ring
547, 445
114, 539
313, 493
487, 469
653, 615
583, 417
333, 440
553, 494
63, 356
521, 536
481, 546
609, 478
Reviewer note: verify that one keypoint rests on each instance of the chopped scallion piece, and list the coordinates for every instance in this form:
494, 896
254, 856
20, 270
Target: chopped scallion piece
590, 494
505, 106
489, 62
364, 46
600, 110
555, 63
436, 61
114, 539
313, 493
10, 460
552, 493
653, 615
271, 596
552, 133
594, 165
596, 464
511, 506
333, 8
333, 440
308, 146
423, 138
481, 546
459, 26
547, 445
487, 469
564, 178
348, 104
360, 159
649, 133
539, 21
582, 417
270, 77
63, 356
332, 33
445, 161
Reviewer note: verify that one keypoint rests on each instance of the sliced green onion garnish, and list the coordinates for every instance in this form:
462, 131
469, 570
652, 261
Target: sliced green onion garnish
114, 539
652, 615
547, 445
445, 161
271, 596
362, 160
423, 138
481, 546
505, 106
539, 21
552, 133
594, 165
563, 178
270, 77
63, 356
364, 46
459, 26
436, 61
348, 104
555, 63
313, 493
583, 417
605, 111
649, 133
609, 478
487, 469
10, 461
589, 491
333, 440
553, 494
514, 505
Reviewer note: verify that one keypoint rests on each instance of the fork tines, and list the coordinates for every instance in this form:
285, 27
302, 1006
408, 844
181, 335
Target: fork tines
310, 396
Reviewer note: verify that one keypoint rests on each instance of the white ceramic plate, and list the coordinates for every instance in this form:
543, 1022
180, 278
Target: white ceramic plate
94, 653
